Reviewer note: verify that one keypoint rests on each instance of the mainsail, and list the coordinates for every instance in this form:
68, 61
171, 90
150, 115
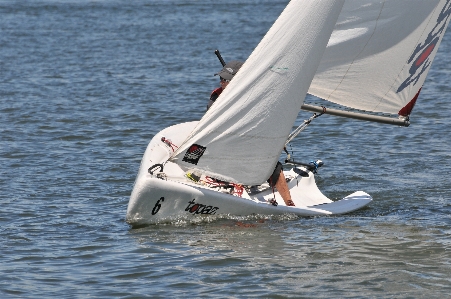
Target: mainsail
240, 138
380, 52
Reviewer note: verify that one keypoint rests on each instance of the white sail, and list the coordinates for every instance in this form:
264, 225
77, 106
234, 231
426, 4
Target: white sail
240, 138
380, 53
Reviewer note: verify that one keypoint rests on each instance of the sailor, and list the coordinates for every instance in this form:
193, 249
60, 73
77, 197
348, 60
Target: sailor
277, 179
225, 75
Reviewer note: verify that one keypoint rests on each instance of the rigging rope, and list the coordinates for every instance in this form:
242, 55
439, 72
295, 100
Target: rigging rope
236, 189
303, 126
169, 143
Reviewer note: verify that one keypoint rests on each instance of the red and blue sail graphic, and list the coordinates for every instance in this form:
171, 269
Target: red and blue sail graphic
421, 58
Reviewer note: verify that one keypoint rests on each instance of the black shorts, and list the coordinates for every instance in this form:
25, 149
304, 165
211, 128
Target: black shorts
275, 175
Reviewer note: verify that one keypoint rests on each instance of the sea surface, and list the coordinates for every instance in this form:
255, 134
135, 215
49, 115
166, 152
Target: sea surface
85, 85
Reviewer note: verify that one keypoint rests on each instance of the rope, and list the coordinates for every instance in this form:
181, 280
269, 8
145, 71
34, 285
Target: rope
303, 126
237, 188
272, 201
169, 143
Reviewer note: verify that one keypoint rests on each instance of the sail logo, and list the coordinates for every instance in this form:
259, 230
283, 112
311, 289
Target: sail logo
194, 153
420, 56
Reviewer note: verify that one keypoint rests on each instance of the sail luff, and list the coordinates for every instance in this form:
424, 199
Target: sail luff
240, 138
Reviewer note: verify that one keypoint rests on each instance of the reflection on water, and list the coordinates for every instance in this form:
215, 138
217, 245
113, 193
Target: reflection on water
363, 255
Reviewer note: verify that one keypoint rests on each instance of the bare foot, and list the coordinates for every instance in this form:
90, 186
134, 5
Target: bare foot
290, 203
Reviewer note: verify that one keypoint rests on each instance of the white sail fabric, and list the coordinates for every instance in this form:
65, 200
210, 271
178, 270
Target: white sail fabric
240, 138
380, 52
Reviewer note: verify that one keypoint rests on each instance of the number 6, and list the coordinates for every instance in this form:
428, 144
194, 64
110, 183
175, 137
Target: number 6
157, 206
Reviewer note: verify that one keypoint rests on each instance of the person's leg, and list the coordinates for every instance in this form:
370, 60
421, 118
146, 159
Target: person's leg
282, 187
277, 179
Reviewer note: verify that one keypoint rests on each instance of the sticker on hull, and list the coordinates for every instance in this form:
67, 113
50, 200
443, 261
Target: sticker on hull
198, 208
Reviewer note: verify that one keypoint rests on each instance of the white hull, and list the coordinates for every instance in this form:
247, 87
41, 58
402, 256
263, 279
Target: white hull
164, 199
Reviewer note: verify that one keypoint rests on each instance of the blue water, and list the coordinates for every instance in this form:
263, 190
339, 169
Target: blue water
85, 85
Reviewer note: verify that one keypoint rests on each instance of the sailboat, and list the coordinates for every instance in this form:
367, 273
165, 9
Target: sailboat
371, 56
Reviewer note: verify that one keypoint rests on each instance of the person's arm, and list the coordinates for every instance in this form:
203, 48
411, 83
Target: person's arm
214, 95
